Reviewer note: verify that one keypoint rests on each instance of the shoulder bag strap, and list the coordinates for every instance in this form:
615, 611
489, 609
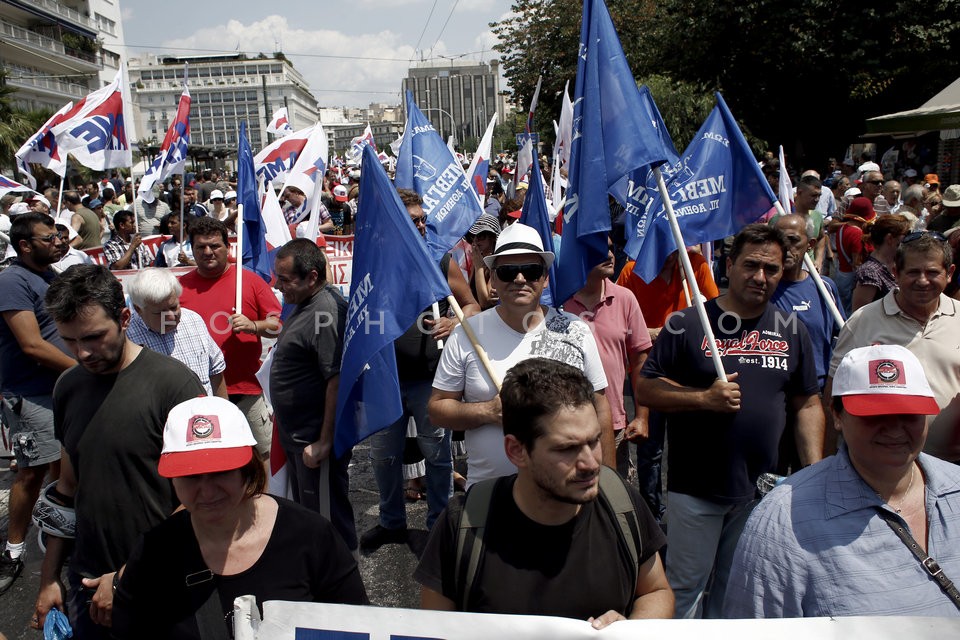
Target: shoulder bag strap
929, 564
473, 522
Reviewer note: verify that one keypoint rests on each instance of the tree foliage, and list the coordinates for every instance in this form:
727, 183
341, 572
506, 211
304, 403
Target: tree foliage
805, 75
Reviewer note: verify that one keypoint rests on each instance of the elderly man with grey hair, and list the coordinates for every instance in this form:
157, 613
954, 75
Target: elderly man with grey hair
162, 325
912, 206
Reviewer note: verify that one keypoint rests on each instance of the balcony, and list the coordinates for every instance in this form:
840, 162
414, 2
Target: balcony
62, 11
44, 44
50, 86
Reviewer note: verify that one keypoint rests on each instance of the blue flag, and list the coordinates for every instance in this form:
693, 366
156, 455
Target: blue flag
612, 136
535, 215
426, 165
394, 279
716, 189
636, 191
254, 250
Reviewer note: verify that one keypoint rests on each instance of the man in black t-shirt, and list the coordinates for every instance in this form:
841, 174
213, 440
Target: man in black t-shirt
109, 414
551, 542
724, 434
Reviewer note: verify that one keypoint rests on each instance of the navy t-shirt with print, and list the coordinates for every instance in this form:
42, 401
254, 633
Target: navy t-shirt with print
720, 455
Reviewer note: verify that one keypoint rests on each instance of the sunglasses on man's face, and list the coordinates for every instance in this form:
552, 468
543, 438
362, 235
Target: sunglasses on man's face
509, 272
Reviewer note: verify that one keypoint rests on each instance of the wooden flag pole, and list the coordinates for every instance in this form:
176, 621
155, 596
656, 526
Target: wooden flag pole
481, 353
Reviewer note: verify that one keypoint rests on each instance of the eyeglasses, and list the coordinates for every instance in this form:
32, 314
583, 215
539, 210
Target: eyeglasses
916, 235
419, 220
509, 272
53, 237
874, 182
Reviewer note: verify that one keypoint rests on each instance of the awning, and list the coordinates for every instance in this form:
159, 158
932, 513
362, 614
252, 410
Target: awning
940, 112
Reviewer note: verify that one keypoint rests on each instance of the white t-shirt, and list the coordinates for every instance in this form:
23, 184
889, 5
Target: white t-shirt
561, 337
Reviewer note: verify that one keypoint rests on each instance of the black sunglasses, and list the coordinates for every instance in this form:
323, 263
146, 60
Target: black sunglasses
916, 235
509, 272
874, 182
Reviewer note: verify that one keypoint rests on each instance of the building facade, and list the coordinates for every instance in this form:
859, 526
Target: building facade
57, 51
458, 99
224, 90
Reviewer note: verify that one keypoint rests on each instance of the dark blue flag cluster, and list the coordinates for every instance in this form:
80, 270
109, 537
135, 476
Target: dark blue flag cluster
426, 165
535, 215
637, 191
612, 137
715, 189
394, 279
254, 250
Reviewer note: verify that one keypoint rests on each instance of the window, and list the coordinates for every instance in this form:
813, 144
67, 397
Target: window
105, 24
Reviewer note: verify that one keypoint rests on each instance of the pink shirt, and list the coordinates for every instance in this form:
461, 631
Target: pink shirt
619, 330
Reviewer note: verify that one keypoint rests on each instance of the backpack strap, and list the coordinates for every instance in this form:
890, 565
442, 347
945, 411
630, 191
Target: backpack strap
615, 498
473, 521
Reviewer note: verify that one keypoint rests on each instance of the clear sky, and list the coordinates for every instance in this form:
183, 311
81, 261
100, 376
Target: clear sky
352, 52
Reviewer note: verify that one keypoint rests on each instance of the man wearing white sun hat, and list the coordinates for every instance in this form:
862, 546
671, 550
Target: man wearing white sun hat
465, 399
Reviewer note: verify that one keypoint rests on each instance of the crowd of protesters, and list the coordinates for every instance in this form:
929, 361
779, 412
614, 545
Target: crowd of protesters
845, 398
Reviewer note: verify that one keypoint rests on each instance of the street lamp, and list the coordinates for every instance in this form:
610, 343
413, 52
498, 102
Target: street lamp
453, 124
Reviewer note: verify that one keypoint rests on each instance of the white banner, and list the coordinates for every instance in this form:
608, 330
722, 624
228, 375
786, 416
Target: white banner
313, 621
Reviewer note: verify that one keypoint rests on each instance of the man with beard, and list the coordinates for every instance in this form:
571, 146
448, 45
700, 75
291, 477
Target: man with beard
541, 534
109, 414
32, 356
724, 433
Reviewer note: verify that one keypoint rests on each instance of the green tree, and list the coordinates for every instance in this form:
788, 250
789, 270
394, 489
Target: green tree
805, 75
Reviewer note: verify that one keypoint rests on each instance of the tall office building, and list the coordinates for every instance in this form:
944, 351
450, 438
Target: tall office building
224, 90
55, 51
458, 99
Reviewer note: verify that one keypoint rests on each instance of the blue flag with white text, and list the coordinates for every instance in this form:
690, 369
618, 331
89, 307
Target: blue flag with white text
254, 250
535, 215
394, 279
612, 136
716, 189
426, 165
636, 191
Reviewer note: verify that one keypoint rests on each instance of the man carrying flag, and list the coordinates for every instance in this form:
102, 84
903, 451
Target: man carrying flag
211, 290
464, 396
724, 434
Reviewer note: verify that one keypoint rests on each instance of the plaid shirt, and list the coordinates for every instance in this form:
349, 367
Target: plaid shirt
190, 343
115, 247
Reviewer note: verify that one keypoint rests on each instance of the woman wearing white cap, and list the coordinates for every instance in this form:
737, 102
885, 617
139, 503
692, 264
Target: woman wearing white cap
850, 535
231, 539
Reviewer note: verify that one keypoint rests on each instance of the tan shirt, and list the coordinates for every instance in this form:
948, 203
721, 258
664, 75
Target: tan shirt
936, 345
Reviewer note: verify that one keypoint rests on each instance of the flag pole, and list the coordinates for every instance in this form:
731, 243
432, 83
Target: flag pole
691, 279
817, 280
481, 353
60, 197
183, 185
239, 263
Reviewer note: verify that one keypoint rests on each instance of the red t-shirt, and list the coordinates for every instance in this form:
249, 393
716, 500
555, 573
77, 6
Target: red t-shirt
214, 300
851, 244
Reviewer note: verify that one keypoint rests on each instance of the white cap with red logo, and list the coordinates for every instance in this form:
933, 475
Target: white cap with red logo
205, 435
883, 379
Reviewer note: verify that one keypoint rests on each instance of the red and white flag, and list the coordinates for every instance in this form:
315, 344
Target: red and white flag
785, 192
280, 123
42, 147
98, 134
277, 158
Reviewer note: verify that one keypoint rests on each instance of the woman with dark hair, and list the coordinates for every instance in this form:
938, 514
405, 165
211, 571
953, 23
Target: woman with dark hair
874, 277
230, 539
